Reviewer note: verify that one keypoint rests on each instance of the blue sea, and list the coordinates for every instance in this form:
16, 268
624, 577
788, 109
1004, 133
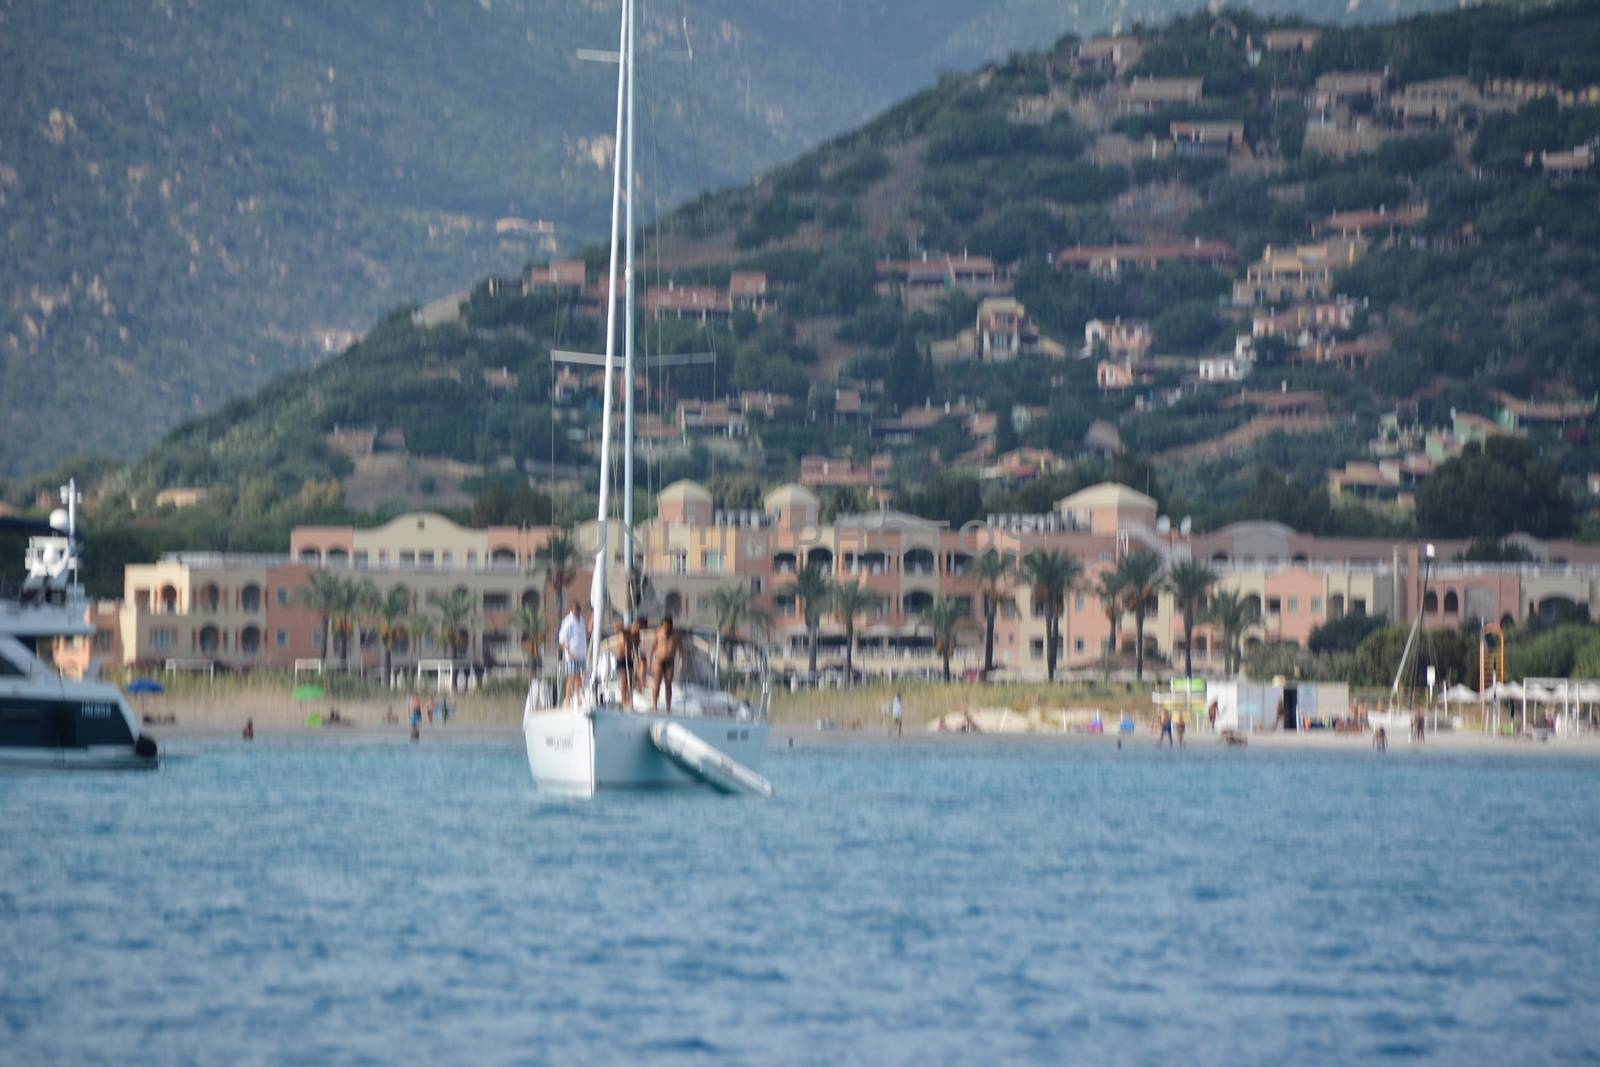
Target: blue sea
351, 901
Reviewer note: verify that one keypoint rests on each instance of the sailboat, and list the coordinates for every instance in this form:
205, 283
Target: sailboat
1400, 715
594, 741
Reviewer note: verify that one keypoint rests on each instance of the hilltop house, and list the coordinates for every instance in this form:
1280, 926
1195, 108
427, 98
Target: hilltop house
1207, 140
1123, 340
1381, 225
1302, 273
1343, 88
1108, 55
1145, 96
1292, 41
1002, 333
1109, 261
922, 283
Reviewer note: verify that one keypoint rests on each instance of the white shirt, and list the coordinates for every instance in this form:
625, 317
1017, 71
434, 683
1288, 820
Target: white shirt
897, 707
574, 637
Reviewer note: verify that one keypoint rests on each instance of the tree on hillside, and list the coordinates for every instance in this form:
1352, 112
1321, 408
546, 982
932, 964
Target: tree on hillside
1494, 489
851, 600
1140, 575
993, 572
1191, 582
1053, 576
811, 589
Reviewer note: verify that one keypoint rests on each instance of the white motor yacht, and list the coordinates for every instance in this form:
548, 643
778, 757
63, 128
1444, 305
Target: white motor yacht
46, 720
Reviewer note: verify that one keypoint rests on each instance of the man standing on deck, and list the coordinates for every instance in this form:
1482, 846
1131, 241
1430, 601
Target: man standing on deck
574, 642
665, 650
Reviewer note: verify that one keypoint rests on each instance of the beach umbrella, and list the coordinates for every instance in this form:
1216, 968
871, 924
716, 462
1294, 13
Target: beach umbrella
146, 685
1460, 694
309, 692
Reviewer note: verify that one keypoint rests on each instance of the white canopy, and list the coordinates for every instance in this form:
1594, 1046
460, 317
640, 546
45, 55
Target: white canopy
1538, 694
1506, 691
1588, 692
1460, 694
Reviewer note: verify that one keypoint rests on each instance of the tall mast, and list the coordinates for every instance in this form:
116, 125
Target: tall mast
597, 587
627, 348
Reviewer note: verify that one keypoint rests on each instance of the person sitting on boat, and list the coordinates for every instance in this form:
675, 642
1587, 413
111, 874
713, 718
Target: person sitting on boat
664, 653
574, 642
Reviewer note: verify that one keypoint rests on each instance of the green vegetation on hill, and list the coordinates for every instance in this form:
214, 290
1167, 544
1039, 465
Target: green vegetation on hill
1495, 289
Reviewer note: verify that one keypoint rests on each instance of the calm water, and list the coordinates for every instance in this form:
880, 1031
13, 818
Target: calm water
369, 901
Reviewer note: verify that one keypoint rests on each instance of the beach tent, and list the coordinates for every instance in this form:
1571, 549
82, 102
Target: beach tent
1460, 694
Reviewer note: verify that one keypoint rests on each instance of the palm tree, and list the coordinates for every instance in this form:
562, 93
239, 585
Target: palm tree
365, 601
561, 555
993, 571
943, 619
811, 589
1233, 615
1109, 590
529, 622
1140, 574
1190, 582
390, 619
734, 605
453, 612
851, 600
323, 594
1053, 575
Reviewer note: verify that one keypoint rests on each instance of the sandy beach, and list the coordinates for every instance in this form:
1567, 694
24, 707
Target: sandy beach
225, 714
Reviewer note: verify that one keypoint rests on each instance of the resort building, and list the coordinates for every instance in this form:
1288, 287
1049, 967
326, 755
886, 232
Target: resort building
244, 612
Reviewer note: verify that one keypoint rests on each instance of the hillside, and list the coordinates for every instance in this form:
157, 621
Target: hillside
1470, 282
197, 197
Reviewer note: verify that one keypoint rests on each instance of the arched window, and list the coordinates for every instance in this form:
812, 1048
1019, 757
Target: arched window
530, 598
916, 602
250, 598
310, 555
502, 556
1430, 603
210, 597
1452, 603
210, 640
918, 561
169, 600
820, 557
1336, 606
250, 640
338, 557
673, 604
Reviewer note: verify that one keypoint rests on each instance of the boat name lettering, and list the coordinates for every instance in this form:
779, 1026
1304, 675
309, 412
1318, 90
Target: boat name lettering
97, 711
559, 742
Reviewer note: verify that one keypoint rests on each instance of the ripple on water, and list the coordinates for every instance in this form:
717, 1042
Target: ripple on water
362, 902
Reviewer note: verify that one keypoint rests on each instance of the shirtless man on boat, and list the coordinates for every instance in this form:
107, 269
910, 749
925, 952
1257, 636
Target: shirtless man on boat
630, 657
664, 653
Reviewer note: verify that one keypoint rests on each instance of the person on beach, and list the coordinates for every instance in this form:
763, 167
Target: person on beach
249, 729
1211, 717
430, 711
444, 710
1380, 740
1182, 726
574, 641
416, 713
899, 715
1281, 716
1166, 728
416, 732
1418, 725
666, 649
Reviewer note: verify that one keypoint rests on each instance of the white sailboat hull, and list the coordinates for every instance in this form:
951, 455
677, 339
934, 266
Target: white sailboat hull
581, 751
